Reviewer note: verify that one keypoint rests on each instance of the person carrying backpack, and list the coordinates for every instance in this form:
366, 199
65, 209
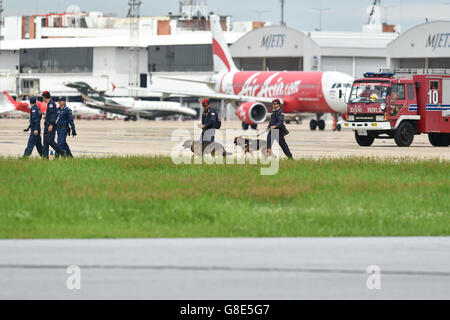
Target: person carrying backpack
210, 122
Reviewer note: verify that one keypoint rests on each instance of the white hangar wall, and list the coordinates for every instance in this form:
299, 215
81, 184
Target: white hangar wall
424, 46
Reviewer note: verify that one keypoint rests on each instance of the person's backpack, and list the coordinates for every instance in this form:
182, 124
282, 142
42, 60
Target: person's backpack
218, 122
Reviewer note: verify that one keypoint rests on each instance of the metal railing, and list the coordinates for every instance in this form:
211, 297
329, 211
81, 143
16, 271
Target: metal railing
410, 71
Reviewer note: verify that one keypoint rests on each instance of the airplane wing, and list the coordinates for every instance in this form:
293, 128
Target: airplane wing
149, 112
118, 109
212, 95
189, 80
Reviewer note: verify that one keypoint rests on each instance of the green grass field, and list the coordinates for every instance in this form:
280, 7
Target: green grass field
153, 198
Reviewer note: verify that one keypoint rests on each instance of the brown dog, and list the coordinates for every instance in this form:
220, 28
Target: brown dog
200, 148
250, 145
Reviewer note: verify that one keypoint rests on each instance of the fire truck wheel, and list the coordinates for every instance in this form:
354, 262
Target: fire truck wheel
245, 126
364, 141
439, 140
404, 135
321, 125
313, 125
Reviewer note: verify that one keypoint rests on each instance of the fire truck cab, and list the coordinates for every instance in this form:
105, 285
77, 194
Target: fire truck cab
386, 106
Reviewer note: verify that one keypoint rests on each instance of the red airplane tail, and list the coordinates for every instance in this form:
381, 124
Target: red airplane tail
221, 53
21, 106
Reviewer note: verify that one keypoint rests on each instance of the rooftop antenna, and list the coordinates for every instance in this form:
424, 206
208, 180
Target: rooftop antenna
133, 16
260, 13
321, 11
283, 23
386, 12
372, 13
1, 15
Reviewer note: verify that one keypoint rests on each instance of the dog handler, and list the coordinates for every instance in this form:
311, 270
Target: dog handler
277, 123
209, 122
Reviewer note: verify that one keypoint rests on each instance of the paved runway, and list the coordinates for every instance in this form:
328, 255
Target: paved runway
100, 138
303, 268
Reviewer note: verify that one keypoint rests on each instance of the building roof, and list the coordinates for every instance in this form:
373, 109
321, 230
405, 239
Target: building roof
182, 38
365, 40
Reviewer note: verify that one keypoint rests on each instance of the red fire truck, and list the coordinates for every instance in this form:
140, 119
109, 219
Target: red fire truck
386, 106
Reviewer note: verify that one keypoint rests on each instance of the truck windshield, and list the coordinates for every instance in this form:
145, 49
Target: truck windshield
368, 93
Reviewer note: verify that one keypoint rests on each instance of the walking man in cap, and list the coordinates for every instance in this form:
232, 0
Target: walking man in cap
49, 126
65, 118
277, 123
209, 122
35, 126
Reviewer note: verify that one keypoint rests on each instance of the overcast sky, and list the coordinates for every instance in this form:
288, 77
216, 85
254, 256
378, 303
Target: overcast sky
343, 15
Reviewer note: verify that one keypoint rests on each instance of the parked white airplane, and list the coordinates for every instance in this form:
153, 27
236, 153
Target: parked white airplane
129, 107
8, 104
79, 109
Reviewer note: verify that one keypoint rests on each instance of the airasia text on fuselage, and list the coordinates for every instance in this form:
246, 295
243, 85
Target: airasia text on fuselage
273, 86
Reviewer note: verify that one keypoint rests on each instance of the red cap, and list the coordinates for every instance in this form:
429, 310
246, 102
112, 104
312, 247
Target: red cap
205, 102
46, 94
277, 101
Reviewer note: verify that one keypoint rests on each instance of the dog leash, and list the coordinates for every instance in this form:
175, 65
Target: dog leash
265, 131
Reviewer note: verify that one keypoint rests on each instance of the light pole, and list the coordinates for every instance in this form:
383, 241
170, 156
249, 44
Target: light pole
283, 23
1, 15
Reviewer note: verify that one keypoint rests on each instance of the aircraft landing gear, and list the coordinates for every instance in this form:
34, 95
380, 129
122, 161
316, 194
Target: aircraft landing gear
246, 126
336, 125
131, 118
317, 123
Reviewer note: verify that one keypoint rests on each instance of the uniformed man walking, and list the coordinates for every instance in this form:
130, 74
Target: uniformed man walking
49, 126
210, 119
35, 126
64, 119
277, 123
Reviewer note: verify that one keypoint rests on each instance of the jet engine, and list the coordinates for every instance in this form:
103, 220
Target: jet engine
252, 113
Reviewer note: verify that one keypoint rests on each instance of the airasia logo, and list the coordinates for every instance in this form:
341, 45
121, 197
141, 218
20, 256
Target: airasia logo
241, 113
272, 86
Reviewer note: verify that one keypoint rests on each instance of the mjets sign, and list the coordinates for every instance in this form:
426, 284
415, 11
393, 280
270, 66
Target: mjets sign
438, 40
273, 41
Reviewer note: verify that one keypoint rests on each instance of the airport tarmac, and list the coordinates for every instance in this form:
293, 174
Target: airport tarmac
107, 138
251, 269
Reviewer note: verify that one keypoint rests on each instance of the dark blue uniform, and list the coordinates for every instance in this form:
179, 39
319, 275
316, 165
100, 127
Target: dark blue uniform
49, 137
277, 120
35, 124
209, 119
65, 118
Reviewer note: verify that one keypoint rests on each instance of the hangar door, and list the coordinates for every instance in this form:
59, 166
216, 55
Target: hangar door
285, 64
249, 64
341, 64
440, 63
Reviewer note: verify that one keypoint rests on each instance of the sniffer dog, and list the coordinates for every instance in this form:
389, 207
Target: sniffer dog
250, 146
200, 148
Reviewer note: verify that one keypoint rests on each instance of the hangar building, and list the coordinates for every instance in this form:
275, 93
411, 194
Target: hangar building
281, 48
424, 46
